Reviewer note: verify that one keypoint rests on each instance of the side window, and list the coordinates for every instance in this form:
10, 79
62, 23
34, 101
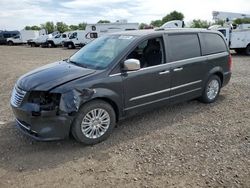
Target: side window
6, 35
74, 35
93, 35
213, 43
223, 31
150, 52
183, 46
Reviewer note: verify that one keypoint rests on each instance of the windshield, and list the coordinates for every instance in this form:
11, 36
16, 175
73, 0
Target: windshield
101, 52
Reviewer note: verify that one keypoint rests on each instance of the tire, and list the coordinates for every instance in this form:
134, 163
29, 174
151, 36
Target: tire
71, 46
10, 43
51, 45
210, 97
32, 44
84, 115
247, 51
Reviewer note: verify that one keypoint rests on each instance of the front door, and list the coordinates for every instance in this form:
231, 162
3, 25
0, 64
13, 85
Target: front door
151, 84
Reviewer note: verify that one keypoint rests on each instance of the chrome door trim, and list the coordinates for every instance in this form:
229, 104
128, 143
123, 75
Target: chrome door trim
149, 94
187, 84
162, 99
164, 90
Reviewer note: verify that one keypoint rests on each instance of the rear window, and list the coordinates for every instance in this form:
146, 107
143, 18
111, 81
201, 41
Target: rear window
213, 43
183, 46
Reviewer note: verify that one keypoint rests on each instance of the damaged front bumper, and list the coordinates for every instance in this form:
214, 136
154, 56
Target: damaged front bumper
50, 120
47, 126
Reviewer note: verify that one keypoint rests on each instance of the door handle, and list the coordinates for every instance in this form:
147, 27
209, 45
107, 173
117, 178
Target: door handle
178, 69
164, 72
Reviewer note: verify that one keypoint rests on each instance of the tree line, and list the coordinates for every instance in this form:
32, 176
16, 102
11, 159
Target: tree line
196, 23
61, 26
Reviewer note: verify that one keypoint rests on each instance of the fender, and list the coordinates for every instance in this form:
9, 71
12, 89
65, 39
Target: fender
74, 99
215, 70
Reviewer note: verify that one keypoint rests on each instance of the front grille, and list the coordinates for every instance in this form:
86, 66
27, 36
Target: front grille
17, 96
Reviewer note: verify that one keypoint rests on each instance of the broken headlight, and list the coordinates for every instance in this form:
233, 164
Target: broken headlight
46, 100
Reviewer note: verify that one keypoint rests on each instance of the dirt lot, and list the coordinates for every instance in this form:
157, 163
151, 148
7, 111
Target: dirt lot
186, 145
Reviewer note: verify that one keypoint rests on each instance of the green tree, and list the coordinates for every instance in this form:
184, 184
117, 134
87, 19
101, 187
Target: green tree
142, 26
73, 27
82, 26
27, 27
156, 23
219, 22
172, 16
242, 21
35, 27
49, 26
200, 24
103, 21
62, 27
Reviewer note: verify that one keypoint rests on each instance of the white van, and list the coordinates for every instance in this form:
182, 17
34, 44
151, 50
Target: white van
23, 37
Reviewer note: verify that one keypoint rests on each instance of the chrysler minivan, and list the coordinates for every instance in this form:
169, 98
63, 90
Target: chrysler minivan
119, 75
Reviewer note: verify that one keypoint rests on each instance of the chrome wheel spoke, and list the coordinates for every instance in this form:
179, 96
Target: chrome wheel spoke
95, 123
213, 89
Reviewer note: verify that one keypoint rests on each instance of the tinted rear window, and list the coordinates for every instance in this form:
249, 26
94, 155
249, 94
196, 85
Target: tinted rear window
213, 43
183, 46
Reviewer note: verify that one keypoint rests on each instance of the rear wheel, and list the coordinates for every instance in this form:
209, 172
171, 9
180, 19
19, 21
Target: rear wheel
71, 46
94, 122
247, 51
212, 89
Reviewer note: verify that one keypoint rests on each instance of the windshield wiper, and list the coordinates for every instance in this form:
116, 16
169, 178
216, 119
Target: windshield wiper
76, 63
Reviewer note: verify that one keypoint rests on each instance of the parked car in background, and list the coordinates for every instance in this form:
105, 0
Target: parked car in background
22, 37
76, 39
119, 75
92, 31
58, 40
7, 34
238, 39
42, 39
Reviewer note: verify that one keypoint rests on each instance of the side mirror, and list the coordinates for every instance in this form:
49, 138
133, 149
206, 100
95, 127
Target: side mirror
131, 65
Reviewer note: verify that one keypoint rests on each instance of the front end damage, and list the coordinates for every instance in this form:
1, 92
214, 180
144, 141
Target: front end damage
45, 115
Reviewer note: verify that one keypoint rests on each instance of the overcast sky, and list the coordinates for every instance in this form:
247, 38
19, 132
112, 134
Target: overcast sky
15, 14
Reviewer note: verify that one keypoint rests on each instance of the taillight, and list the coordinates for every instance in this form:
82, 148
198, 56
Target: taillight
230, 62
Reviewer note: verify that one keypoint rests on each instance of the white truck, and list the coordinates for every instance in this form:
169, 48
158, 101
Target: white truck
41, 40
173, 24
75, 39
23, 37
93, 31
238, 38
57, 40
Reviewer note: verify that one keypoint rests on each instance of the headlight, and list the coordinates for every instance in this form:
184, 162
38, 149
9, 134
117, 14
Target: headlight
47, 101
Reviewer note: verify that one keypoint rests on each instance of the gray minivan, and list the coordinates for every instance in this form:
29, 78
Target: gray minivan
119, 75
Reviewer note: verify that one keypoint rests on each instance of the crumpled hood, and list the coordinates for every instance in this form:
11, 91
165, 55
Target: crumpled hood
51, 76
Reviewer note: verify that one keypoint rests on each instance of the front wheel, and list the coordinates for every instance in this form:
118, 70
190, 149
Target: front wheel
94, 122
212, 89
10, 43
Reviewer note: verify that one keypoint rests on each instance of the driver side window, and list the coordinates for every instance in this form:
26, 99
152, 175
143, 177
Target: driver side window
149, 52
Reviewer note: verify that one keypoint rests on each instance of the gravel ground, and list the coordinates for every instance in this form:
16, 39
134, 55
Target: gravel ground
185, 145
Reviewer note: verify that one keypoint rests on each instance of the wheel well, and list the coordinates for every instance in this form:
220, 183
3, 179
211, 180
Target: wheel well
220, 75
112, 103
51, 42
